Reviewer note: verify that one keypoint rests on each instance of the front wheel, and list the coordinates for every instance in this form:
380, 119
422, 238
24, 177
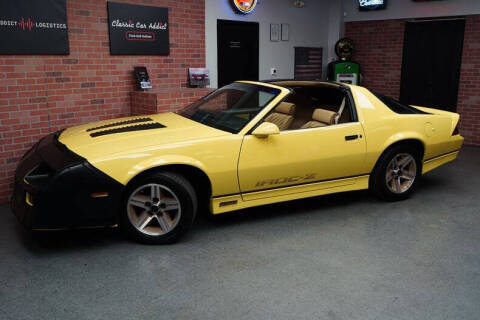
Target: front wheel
159, 209
396, 174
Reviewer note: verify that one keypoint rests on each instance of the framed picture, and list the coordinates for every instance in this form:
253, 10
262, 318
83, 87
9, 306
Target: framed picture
285, 32
275, 32
198, 77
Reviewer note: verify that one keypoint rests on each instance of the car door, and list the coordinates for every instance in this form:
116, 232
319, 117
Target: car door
300, 157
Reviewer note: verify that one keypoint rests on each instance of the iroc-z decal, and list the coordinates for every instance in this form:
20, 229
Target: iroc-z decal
283, 180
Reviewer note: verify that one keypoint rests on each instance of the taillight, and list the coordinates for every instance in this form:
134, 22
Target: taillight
455, 131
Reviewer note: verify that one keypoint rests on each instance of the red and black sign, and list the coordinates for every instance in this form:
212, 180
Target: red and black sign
33, 27
244, 6
138, 29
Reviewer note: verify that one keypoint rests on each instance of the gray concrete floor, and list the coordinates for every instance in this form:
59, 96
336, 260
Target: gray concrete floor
346, 256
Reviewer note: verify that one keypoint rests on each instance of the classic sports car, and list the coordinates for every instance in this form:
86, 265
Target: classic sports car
246, 144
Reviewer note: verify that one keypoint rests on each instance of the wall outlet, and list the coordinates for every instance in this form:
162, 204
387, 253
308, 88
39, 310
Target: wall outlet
273, 71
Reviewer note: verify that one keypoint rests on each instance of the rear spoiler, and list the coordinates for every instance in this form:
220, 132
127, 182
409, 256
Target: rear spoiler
454, 116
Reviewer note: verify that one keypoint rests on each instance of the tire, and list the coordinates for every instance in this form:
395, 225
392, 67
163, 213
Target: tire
159, 209
396, 173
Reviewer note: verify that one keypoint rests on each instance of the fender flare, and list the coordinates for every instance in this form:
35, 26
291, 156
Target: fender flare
402, 136
165, 160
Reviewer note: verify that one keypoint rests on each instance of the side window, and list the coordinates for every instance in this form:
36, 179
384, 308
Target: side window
312, 107
329, 106
396, 106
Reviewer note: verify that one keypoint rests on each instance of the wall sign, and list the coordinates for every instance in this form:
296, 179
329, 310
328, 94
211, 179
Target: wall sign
244, 6
33, 27
366, 5
136, 29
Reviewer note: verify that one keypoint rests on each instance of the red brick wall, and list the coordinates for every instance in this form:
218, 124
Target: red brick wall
379, 51
469, 90
164, 101
41, 94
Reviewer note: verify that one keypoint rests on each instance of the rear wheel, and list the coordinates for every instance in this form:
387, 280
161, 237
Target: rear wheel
159, 209
396, 174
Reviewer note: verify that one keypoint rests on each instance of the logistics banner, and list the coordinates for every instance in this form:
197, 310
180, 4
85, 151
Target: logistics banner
136, 29
33, 27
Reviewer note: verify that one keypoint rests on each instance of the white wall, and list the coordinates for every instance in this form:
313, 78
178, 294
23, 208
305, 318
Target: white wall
402, 9
336, 28
308, 27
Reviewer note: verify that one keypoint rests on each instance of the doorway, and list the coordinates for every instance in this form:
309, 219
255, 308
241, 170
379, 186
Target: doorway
432, 57
237, 51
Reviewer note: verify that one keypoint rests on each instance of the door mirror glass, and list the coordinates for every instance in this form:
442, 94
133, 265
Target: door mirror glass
266, 129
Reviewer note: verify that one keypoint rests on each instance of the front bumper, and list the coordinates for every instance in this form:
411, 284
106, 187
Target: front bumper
56, 189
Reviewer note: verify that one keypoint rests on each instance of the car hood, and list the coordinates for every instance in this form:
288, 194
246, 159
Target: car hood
119, 136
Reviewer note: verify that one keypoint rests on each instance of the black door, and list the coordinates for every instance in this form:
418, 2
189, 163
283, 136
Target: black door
237, 44
432, 56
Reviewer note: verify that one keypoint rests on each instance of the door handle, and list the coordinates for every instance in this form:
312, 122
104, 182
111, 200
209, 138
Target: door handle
352, 137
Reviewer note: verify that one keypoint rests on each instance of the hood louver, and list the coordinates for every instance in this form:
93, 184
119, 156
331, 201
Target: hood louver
138, 127
120, 123
137, 124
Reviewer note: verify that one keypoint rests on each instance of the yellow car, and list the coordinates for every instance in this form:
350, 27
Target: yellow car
244, 145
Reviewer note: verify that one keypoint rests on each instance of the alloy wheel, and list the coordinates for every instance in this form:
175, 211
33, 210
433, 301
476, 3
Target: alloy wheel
401, 173
154, 209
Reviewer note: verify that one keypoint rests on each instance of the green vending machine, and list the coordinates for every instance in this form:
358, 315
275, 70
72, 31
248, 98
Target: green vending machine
344, 70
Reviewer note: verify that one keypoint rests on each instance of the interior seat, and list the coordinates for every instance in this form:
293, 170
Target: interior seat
282, 116
328, 107
321, 118
303, 107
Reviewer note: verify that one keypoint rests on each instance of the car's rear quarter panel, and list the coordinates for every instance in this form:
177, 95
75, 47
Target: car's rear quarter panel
383, 128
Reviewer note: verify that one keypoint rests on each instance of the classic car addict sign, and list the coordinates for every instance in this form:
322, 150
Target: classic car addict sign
33, 27
138, 29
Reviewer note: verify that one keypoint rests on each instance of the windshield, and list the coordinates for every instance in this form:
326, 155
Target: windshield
230, 108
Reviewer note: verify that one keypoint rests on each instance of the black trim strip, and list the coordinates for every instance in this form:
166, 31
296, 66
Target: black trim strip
138, 127
120, 123
442, 155
228, 203
291, 185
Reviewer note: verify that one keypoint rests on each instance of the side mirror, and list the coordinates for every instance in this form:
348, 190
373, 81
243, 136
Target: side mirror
266, 129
